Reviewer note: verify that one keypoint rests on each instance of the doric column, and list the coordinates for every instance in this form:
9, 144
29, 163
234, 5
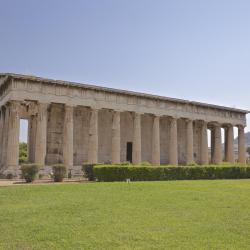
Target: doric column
241, 145
13, 137
68, 137
229, 144
204, 144
217, 154
173, 144
5, 135
93, 137
116, 138
31, 138
1, 134
136, 155
190, 142
156, 141
41, 134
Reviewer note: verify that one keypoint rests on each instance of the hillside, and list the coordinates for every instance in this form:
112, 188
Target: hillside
247, 136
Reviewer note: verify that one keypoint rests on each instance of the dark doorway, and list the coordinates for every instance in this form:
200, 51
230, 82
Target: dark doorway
129, 151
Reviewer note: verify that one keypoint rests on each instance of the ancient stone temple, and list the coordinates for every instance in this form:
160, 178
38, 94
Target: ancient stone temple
73, 123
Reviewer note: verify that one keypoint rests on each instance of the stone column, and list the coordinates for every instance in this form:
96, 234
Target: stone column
217, 154
68, 137
31, 138
116, 138
204, 144
93, 137
13, 137
41, 134
190, 142
173, 143
136, 155
156, 141
1, 134
230, 144
5, 135
241, 145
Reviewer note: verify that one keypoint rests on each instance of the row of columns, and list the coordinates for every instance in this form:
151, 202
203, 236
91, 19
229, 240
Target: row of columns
173, 142
11, 124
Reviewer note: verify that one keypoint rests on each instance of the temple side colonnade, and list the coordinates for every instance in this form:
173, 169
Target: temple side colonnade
71, 123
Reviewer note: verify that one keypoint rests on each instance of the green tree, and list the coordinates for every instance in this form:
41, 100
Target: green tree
23, 153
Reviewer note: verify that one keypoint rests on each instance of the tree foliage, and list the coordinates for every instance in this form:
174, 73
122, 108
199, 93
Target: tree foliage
23, 152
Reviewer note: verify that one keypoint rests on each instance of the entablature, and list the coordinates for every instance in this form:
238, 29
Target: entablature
46, 92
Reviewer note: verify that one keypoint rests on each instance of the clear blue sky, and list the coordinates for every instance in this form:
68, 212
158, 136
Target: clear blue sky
197, 50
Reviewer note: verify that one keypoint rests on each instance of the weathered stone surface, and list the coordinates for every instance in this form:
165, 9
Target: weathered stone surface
116, 137
93, 137
74, 123
241, 145
136, 158
229, 142
173, 144
189, 142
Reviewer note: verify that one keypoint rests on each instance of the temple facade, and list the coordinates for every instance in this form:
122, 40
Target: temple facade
73, 123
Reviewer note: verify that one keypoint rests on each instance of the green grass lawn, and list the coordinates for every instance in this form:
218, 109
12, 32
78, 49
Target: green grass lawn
142, 215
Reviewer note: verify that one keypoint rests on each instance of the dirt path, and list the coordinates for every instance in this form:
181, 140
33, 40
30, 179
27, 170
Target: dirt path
6, 183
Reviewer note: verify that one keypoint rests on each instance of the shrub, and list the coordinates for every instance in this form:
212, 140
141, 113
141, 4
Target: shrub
29, 171
87, 169
9, 176
40, 176
153, 173
59, 172
70, 174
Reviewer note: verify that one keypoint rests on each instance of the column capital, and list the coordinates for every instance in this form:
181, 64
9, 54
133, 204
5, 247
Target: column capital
156, 117
188, 120
215, 124
14, 106
228, 125
69, 108
204, 122
173, 117
173, 121
94, 108
116, 111
137, 113
42, 106
240, 126
69, 105
43, 103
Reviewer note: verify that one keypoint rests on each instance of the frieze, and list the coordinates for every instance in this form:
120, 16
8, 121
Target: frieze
112, 100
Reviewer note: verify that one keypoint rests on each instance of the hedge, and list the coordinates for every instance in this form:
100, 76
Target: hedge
163, 173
